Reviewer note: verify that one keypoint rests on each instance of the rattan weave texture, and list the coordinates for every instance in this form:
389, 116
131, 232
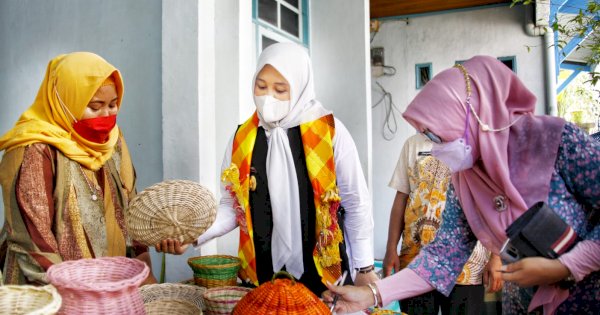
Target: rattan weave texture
105, 285
173, 209
173, 291
215, 270
27, 299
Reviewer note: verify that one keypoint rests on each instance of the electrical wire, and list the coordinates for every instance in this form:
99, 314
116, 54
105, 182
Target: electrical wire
390, 125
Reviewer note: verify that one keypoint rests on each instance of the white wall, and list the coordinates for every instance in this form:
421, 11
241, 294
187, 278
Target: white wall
125, 33
441, 40
340, 55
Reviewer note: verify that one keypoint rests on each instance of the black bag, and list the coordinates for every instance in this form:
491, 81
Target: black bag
538, 232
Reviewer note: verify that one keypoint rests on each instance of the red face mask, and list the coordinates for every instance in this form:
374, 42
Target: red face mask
96, 129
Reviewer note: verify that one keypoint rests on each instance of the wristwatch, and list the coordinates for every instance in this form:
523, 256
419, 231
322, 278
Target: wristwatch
366, 269
567, 282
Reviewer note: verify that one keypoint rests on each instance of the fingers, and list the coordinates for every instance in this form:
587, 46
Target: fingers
171, 246
486, 277
387, 270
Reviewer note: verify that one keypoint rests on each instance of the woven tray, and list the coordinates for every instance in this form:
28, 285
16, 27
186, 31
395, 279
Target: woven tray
215, 270
27, 299
175, 209
173, 291
180, 307
222, 300
105, 285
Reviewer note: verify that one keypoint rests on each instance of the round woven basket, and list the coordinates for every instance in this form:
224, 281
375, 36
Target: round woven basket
180, 307
281, 296
106, 285
173, 291
175, 209
215, 270
379, 311
222, 300
27, 299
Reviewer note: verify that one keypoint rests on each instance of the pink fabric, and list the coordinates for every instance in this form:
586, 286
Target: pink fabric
516, 163
498, 97
583, 259
412, 285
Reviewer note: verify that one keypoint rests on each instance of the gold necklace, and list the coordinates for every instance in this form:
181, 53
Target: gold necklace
92, 190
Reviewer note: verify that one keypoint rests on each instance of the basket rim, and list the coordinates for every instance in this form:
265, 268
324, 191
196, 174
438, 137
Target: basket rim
55, 301
234, 261
185, 232
96, 286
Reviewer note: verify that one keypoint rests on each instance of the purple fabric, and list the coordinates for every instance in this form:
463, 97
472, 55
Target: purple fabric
499, 98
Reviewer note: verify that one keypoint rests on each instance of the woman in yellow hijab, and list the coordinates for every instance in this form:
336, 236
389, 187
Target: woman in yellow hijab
66, 173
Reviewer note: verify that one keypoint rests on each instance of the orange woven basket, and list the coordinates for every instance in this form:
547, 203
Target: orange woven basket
281, 296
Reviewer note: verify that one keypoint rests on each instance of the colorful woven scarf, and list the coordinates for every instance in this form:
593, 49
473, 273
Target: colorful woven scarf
317, 138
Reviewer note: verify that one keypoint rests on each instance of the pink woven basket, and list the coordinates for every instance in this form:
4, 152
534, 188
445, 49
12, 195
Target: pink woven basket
106, 285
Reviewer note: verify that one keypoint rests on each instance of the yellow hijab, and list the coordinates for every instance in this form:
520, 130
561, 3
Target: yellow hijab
74, 78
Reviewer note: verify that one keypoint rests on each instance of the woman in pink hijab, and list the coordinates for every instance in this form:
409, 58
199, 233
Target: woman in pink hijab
504, 160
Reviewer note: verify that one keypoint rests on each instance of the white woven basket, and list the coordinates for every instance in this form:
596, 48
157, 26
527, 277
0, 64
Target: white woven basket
180, 307
30, 300
173, 291
175, 209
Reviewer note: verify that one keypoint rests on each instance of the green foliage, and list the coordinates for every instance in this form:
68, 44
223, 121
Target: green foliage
586, 21
578, 102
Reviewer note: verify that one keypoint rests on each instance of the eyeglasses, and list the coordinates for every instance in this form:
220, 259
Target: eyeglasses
432, 137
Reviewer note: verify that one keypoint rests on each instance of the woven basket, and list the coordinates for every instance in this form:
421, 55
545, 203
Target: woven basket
180, 307
173, 291
175, 209
281, 296
106, 285
27, 299
215, 270
222, 300
379, 311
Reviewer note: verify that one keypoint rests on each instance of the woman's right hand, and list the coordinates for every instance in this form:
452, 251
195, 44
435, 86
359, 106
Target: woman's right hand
391, 263
171, 246
351, 298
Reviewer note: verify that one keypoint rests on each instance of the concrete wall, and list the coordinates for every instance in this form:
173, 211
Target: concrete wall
340, 56
441, 40
126, 33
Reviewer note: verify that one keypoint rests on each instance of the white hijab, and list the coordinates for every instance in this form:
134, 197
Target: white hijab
293, 62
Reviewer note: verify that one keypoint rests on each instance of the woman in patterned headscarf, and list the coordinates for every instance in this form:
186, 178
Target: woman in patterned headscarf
66, 173
504, 160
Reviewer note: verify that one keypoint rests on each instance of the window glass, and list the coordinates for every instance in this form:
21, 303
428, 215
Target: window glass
289, 21
293, 3
267, 11
266, 42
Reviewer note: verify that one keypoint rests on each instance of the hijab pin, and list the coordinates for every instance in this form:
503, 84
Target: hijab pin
500, 203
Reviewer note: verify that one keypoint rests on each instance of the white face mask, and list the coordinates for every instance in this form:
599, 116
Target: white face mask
270, 108
456, 154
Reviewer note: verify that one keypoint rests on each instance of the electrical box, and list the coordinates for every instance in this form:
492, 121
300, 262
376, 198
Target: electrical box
377, 56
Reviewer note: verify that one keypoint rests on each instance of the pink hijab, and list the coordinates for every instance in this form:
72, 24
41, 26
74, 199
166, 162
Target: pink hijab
514, 165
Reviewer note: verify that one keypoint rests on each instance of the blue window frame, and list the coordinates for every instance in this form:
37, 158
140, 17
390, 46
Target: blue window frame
279, 21
510, 62
422, 74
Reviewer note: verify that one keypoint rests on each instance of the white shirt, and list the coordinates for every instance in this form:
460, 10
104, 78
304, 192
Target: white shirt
358, 225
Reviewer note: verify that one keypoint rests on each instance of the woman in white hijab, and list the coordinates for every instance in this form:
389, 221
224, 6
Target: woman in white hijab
293, 183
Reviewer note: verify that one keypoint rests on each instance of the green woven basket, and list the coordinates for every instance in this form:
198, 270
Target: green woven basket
215, 270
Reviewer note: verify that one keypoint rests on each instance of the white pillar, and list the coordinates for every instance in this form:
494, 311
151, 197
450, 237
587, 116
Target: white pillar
188, 95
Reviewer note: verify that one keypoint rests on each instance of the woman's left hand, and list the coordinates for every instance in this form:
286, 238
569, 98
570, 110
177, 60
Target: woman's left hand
365, 278
532, 271
171, 246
